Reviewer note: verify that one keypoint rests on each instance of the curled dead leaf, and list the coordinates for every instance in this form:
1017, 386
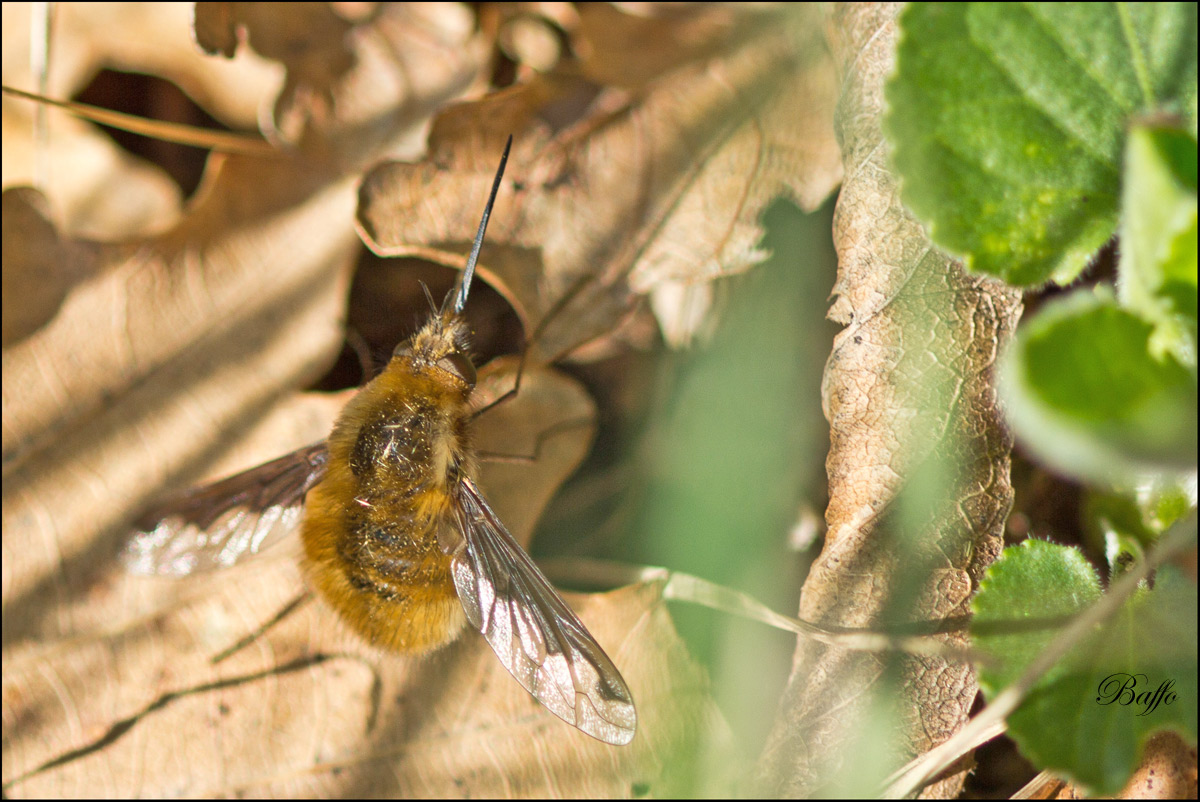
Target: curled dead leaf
918, 464
612, 193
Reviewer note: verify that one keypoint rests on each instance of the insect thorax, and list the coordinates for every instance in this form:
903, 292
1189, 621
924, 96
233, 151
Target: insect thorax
406, 444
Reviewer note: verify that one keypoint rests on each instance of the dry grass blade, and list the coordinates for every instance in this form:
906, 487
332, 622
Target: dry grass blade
168, 132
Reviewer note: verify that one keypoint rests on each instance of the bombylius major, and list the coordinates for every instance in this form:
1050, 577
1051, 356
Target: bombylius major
397, 536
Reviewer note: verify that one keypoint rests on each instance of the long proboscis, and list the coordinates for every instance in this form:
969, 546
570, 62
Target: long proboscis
457, 297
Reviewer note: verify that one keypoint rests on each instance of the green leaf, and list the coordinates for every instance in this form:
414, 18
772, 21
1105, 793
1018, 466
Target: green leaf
1033, 582
1084, 393
1158, 235
1085, 717
1008, 122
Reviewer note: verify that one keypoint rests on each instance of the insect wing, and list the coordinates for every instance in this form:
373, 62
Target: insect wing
222, 523
537, 637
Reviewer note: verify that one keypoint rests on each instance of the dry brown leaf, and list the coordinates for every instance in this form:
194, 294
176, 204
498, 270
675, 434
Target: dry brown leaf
83, 168
310, 709
918, 466
150, 38
622, 192
192, 316
356, 80
533, 43
633, 46
1168, 770
40, 268
258, 263
158, 364
529, 448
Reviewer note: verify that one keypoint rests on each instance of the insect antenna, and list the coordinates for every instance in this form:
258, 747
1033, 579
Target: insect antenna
457, 297
433, 307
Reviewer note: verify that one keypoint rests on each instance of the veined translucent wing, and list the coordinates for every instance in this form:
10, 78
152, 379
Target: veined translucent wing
537, 637
222, 523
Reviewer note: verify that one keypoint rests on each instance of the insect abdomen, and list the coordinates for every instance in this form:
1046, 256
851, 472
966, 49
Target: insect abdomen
371, 526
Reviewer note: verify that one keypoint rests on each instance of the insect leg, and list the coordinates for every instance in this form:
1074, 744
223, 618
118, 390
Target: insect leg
543, 436
553, 312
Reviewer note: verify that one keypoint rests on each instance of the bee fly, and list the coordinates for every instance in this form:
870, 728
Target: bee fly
397, 536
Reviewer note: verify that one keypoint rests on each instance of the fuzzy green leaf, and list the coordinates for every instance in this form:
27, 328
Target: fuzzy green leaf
1090, 715
1008, 122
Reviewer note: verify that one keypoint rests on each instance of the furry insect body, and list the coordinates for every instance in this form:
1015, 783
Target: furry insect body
397, 536
379, 530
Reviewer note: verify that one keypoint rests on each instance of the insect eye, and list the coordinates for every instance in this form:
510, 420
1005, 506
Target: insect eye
460, 365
